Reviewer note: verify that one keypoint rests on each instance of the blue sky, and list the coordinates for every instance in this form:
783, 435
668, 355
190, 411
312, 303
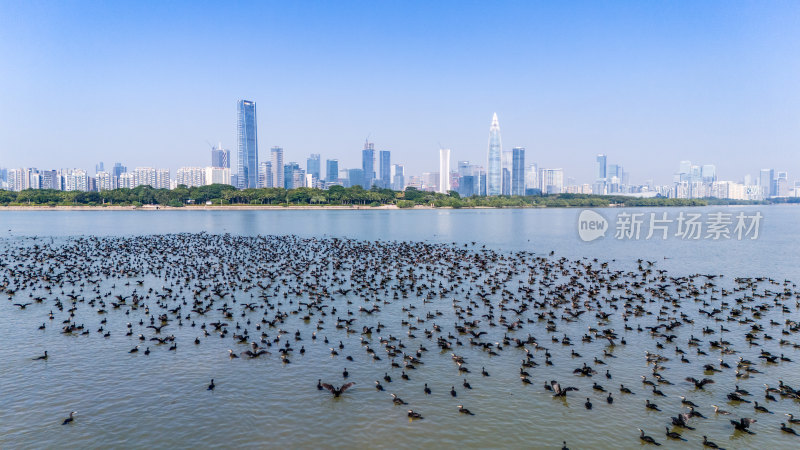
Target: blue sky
648, 83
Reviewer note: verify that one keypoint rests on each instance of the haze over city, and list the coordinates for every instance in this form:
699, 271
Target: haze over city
149, 84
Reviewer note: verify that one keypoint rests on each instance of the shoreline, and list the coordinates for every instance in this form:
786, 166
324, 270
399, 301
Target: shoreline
314, 207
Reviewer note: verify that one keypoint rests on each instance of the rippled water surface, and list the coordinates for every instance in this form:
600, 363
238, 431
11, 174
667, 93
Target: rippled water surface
160, 400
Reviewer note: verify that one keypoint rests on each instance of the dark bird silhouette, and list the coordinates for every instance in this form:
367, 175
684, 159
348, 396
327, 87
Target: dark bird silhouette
338, 391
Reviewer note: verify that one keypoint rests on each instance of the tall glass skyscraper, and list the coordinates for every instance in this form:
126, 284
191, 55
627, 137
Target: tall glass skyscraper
368, 164
495, 172
518, 171
332, 170
220, 157
602, 166
385, 169
247, 164
277, 167
313, 165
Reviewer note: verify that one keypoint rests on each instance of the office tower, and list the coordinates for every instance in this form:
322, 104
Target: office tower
708, 173
463, 168
782, 184
766, 181
398, 177
518, 171
99, 168
288, 175
332, 170
466, 186
601, 175
298, 177
444, 170
265, 174
685, 167
116, 172
247, 164
355, 177
694, 174
385, 168
551, 181
313, 165
601, 166
368, 164
495, 167
277, 167
531, 179
220, 157
430, 181
505, 177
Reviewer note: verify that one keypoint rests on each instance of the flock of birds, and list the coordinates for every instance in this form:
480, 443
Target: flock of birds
275, 297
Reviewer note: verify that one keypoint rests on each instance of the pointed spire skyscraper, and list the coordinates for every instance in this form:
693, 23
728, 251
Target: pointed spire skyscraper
494, 182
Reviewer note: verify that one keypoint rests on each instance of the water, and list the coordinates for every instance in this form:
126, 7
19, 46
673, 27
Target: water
160, 400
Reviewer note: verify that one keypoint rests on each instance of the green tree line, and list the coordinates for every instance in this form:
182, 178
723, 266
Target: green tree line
220, 194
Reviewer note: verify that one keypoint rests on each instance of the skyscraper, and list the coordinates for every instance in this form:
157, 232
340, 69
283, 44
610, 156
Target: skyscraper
289, 179
601, 174
313, 165
384, 169
355, 177
444, 170
518, 171
265, 174
709, 173
506, 162
495, 169
220, 157
247, 164
368, 164
277, 167
398, 177
766, 181
331, 170
602, 164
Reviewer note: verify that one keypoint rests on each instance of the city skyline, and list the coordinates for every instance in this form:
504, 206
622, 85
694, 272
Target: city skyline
506, 173
651, 83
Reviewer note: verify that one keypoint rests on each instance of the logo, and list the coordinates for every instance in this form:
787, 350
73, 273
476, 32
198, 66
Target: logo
591, 225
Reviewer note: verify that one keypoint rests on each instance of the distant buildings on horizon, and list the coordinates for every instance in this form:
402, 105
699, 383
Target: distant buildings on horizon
506, 173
